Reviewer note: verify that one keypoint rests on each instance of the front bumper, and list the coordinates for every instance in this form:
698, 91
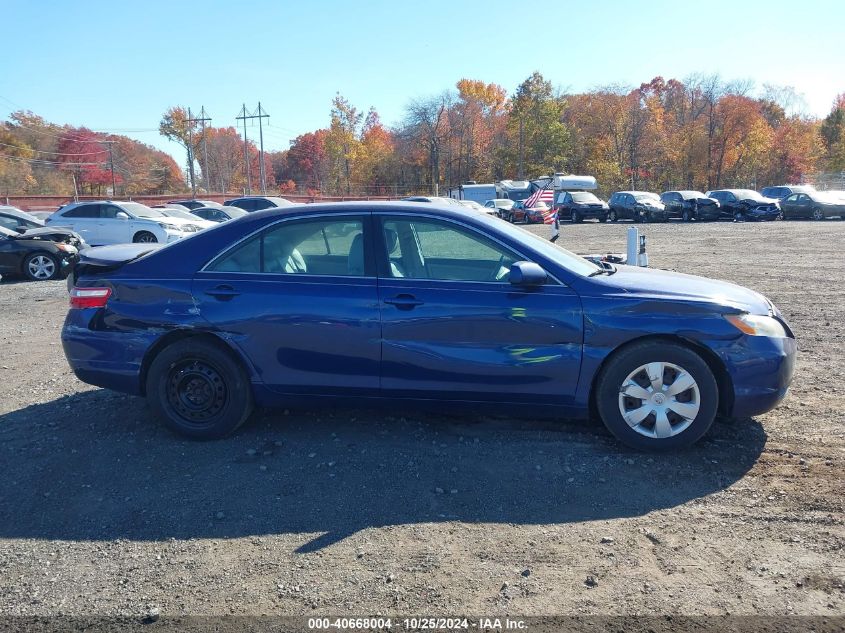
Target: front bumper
761, 371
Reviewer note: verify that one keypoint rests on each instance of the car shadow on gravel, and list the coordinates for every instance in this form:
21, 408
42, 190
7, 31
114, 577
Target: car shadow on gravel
95, 466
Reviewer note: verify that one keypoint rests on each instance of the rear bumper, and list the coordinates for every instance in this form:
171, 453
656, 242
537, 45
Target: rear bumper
109, 359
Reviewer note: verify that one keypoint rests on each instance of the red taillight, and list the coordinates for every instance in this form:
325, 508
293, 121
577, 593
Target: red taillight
89, 297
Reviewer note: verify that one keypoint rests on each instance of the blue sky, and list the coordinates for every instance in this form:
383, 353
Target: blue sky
118, 66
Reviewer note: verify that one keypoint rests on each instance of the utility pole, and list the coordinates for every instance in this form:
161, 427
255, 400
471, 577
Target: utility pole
521, 148
259, 114
111, 165
246, 150
261, 154
191, 154
205, 170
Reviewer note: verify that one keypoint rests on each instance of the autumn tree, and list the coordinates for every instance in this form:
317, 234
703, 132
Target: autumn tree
539, 142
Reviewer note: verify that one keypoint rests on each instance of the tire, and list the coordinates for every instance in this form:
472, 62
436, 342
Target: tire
603, 218
686, 216
629, 368
198, 390
41, 266
818, 214
144, 237
611, 216
738, 216
575, 217
510, 218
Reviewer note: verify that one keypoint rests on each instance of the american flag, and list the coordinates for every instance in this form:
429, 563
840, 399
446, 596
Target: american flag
546, 195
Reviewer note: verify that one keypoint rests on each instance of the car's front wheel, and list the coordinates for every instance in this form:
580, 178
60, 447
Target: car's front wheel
199, 390
144, 237
575, 216
818, 214
657, 396
612, 215
686, 216
40, 267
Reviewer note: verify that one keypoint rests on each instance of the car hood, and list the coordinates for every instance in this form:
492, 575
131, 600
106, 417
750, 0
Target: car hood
53, 233
664, 284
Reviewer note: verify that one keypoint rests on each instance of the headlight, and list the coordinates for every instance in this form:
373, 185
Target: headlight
757, 325
67, 248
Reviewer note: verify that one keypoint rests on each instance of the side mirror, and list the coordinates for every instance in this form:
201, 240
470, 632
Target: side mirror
21, 229
527, 274
120, 215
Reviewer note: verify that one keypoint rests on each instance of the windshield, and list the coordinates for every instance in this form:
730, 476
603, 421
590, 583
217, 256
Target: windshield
689, 195
584, 196
572, 262
140, 210
647, 197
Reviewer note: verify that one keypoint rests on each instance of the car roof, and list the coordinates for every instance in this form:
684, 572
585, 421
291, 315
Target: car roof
15, 212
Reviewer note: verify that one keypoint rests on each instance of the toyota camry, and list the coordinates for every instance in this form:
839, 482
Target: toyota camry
395, 302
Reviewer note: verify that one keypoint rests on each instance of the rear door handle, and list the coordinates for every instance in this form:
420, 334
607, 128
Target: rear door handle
404, 301
222, 292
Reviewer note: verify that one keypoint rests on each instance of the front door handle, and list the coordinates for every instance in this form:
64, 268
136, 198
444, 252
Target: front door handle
404, 301
223, 292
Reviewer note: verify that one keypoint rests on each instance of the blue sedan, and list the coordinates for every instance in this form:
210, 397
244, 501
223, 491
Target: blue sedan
392, 302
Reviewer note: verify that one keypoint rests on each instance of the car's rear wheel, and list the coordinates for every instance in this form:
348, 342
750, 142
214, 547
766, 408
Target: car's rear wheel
40, 267
612, 215
818, 214
199, 390
144, 237
657, 396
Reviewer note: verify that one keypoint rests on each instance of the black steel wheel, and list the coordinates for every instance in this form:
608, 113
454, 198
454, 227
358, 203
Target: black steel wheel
199, 389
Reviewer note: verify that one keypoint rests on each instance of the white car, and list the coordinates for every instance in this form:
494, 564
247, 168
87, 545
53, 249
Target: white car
108, 222
499, 206
472, 204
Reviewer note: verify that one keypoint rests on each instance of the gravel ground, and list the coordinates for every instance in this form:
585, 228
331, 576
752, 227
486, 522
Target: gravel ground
356, 512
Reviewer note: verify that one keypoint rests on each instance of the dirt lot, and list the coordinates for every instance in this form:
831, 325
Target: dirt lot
358, 512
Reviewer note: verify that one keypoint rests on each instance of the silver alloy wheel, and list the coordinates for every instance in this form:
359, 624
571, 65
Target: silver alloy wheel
659, 400
146, 238
41, 267
817, 214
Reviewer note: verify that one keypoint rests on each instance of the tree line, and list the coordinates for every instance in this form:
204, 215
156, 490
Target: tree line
39, 157
698, 133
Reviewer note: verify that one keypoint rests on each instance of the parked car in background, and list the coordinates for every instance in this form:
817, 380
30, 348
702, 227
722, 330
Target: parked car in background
219, 214
500, 206
478, 208
38, 254
782, 191
816, 205
173, 212
171, 205
17, 220
690, 205
578, 206
745, 204
257, 203
530, 215
432, 200
40, 215
639, 206
442, 306
108, 222
195, 204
